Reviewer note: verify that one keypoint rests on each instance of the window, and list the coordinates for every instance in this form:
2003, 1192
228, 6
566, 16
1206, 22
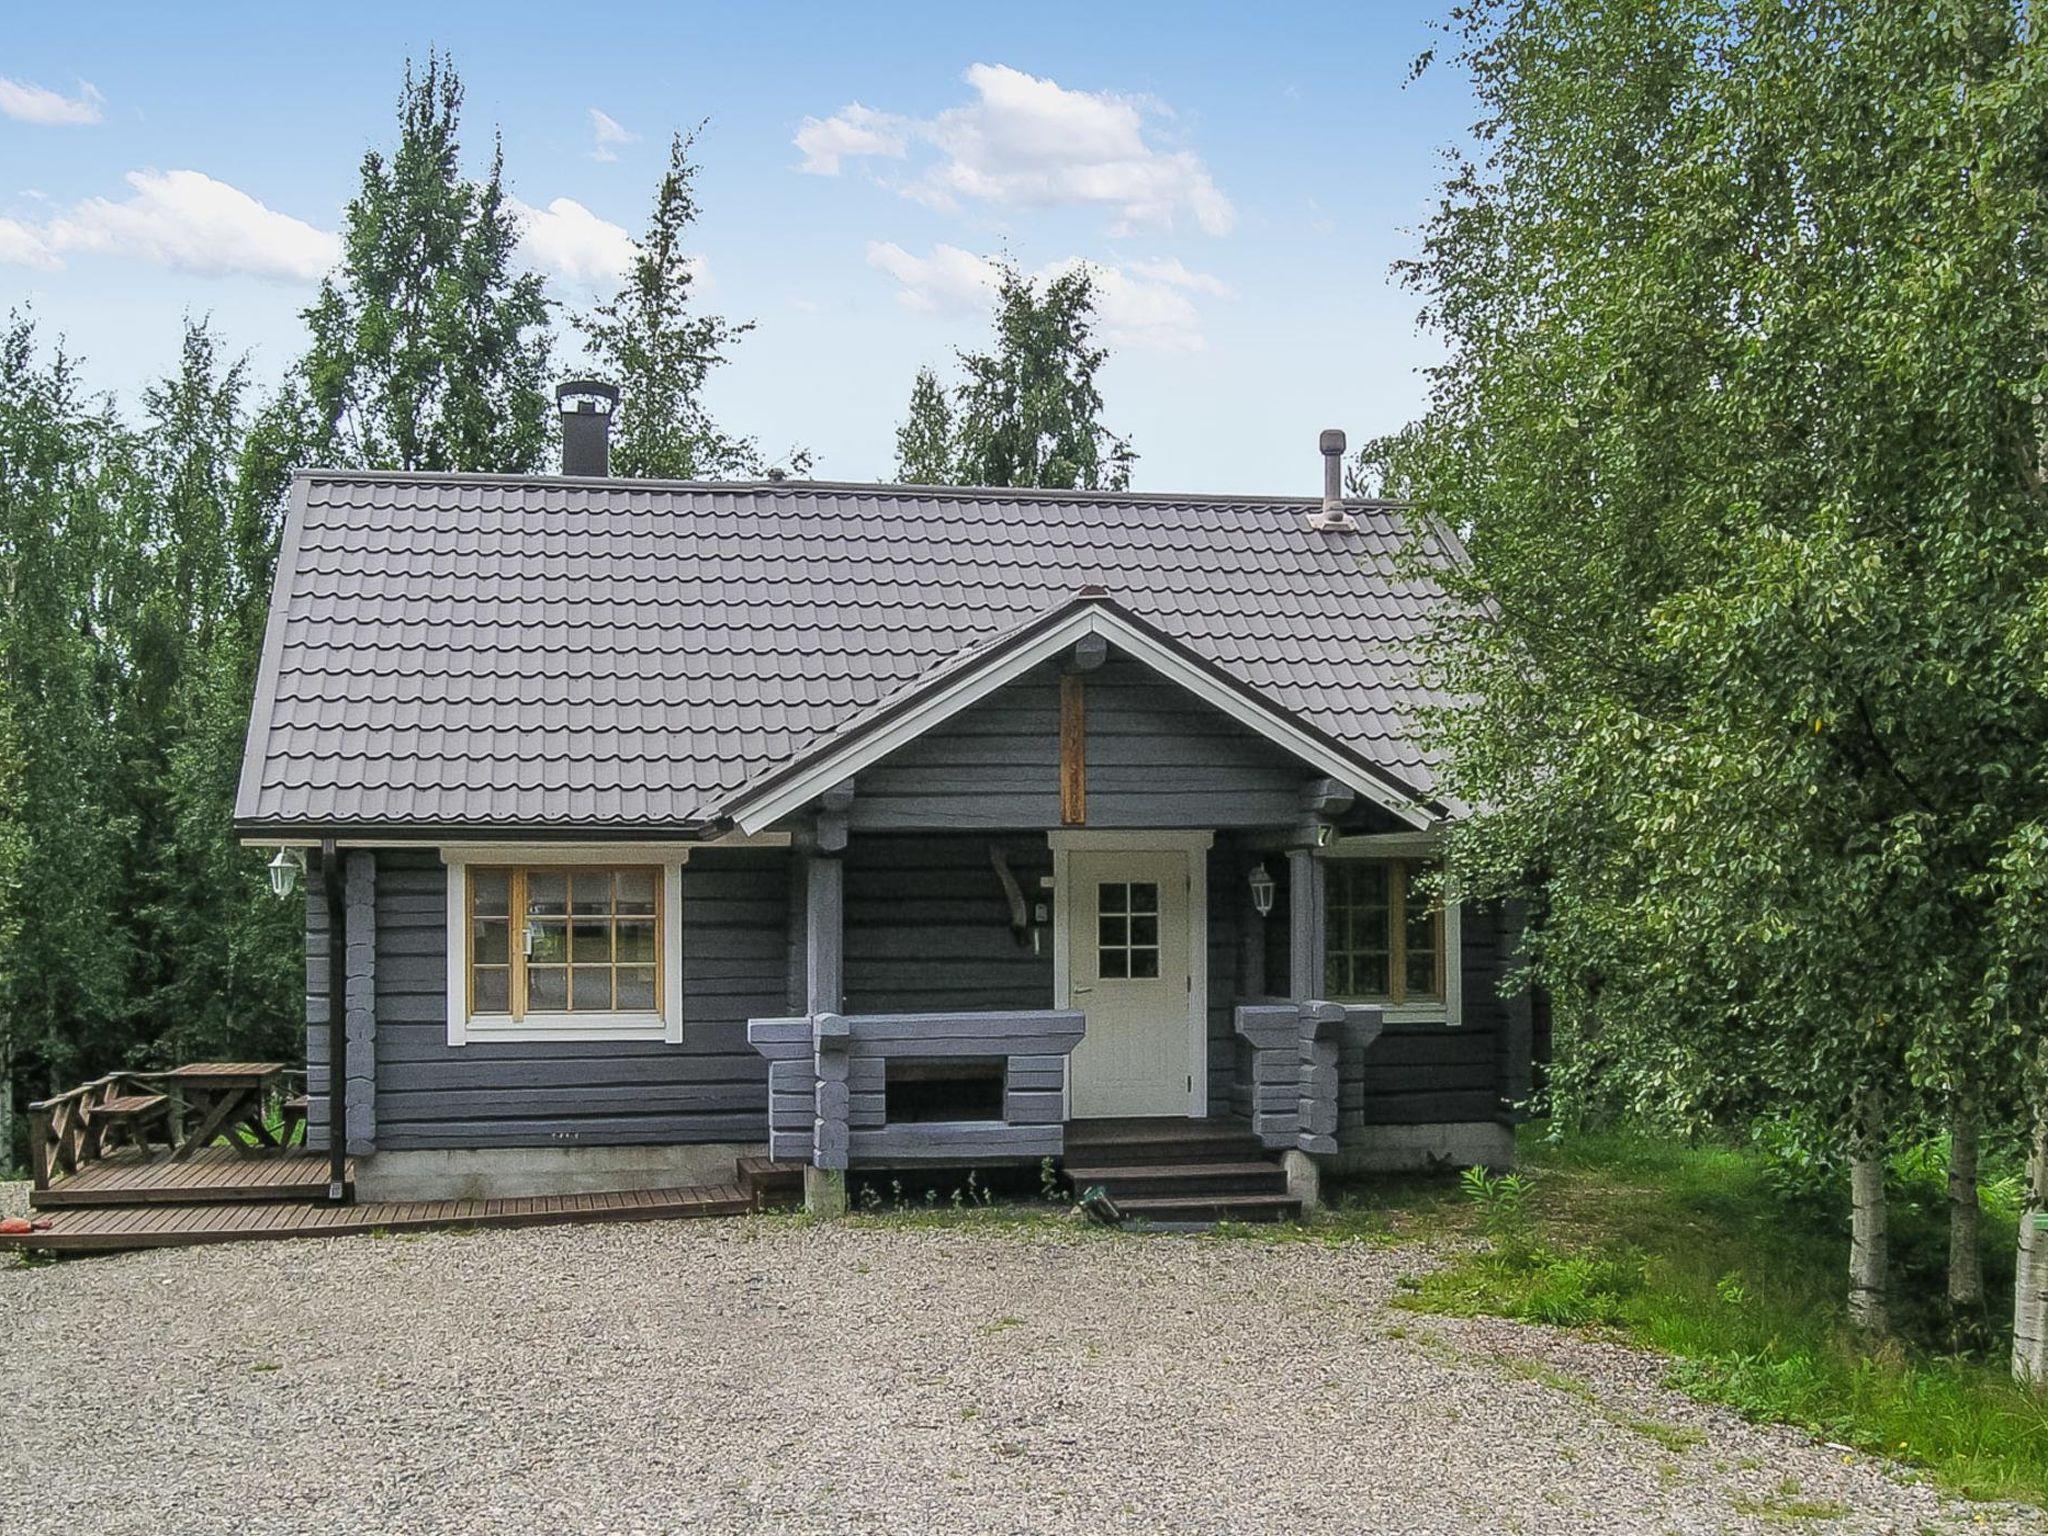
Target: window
1386, 939
1127, 930
565, 941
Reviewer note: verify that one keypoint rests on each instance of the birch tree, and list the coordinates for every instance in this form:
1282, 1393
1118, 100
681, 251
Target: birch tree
1741, 305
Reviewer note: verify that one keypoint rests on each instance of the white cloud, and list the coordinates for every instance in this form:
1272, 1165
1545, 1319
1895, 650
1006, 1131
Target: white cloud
567, 238
949, 280
853, 130
1030, 142
27, 102
180, 219
1144, 305
608, 133
23, 246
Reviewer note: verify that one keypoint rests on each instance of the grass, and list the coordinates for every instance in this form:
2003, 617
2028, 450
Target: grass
1696, 1252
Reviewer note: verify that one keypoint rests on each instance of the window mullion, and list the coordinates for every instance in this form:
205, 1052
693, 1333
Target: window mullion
515, 942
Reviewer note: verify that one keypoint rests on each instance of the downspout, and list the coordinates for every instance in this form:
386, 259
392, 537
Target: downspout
337, 1021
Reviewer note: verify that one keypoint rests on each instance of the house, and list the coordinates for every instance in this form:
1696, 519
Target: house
651, 825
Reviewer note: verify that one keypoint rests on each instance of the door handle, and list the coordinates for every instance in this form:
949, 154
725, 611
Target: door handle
1077, 991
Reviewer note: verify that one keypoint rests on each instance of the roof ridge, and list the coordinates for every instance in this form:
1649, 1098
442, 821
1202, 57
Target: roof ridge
888, 488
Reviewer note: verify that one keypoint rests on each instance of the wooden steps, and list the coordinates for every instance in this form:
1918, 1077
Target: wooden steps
1179, 1171
105, 1229
769, 1184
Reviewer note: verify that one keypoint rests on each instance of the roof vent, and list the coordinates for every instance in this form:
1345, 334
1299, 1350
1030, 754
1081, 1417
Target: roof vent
587, 407
1332, 518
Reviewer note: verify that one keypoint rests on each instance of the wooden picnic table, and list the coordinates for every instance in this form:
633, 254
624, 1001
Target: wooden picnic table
227, 1097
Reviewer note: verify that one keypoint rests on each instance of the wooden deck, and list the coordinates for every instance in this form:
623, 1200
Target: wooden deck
213, 1175
106, 1229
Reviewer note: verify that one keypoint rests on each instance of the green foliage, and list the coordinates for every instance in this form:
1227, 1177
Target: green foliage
924, 443
428, 351
1741, 425
1686, 1249
649, 340
1029, 412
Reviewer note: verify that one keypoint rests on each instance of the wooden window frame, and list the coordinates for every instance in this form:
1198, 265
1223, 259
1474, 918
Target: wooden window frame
518, 915
1402, 855
661, 1023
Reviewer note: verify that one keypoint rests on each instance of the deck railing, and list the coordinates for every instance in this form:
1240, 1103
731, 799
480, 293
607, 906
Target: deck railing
828, 1085
63, 1135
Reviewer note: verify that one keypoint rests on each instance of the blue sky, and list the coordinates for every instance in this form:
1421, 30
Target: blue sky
1242, 177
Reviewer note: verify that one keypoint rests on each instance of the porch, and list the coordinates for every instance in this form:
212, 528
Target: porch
1127, 1032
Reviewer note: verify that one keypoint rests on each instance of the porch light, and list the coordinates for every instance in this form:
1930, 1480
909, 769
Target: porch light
1262, 891
285, 870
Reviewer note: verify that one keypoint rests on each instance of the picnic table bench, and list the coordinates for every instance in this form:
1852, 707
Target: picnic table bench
227, 1099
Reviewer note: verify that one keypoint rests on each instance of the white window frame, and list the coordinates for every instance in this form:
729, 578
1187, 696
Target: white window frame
665, 1025
1412, 845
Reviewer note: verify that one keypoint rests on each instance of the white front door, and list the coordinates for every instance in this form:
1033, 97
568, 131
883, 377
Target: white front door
1128, 959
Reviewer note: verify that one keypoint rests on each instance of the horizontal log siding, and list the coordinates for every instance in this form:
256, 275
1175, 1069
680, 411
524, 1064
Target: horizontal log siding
1157, 757
928, 926
712, 1087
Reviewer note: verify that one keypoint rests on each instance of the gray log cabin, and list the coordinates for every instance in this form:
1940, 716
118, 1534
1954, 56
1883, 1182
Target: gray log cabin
869, 826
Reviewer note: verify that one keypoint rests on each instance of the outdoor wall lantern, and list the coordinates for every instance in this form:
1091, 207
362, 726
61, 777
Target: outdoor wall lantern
285, 870
1262, 891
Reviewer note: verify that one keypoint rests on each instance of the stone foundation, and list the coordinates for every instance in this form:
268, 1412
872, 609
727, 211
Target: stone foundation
493, 1173
1420, 1148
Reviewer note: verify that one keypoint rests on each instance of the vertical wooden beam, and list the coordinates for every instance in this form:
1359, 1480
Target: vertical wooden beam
824, 936
1307, 936
1073, 751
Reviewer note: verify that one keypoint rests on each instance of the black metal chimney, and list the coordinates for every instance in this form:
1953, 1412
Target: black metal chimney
587, 426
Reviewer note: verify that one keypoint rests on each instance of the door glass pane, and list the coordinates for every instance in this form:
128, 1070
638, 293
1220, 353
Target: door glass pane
1127, 930
547, 893
490, 891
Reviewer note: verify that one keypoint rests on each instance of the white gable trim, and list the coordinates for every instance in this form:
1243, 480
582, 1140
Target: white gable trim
977, 683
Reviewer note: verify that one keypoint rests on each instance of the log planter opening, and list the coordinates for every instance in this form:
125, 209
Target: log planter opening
962, 1089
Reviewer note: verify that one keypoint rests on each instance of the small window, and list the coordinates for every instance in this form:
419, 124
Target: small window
1127, 930
565, 941
1386, 932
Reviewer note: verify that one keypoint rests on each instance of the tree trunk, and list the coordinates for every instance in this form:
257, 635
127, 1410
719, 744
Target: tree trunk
1965, 1260
2030, 1286
1869, 1311
6, 1097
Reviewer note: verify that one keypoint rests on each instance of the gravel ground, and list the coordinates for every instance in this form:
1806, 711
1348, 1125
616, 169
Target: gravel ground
771, 1375
13, 1200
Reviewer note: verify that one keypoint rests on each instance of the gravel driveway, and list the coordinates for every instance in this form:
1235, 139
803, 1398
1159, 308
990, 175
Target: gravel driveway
769, 1375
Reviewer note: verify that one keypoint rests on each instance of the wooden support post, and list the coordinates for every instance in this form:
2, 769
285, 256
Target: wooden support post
824, 936
1307, 938
1073, 751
